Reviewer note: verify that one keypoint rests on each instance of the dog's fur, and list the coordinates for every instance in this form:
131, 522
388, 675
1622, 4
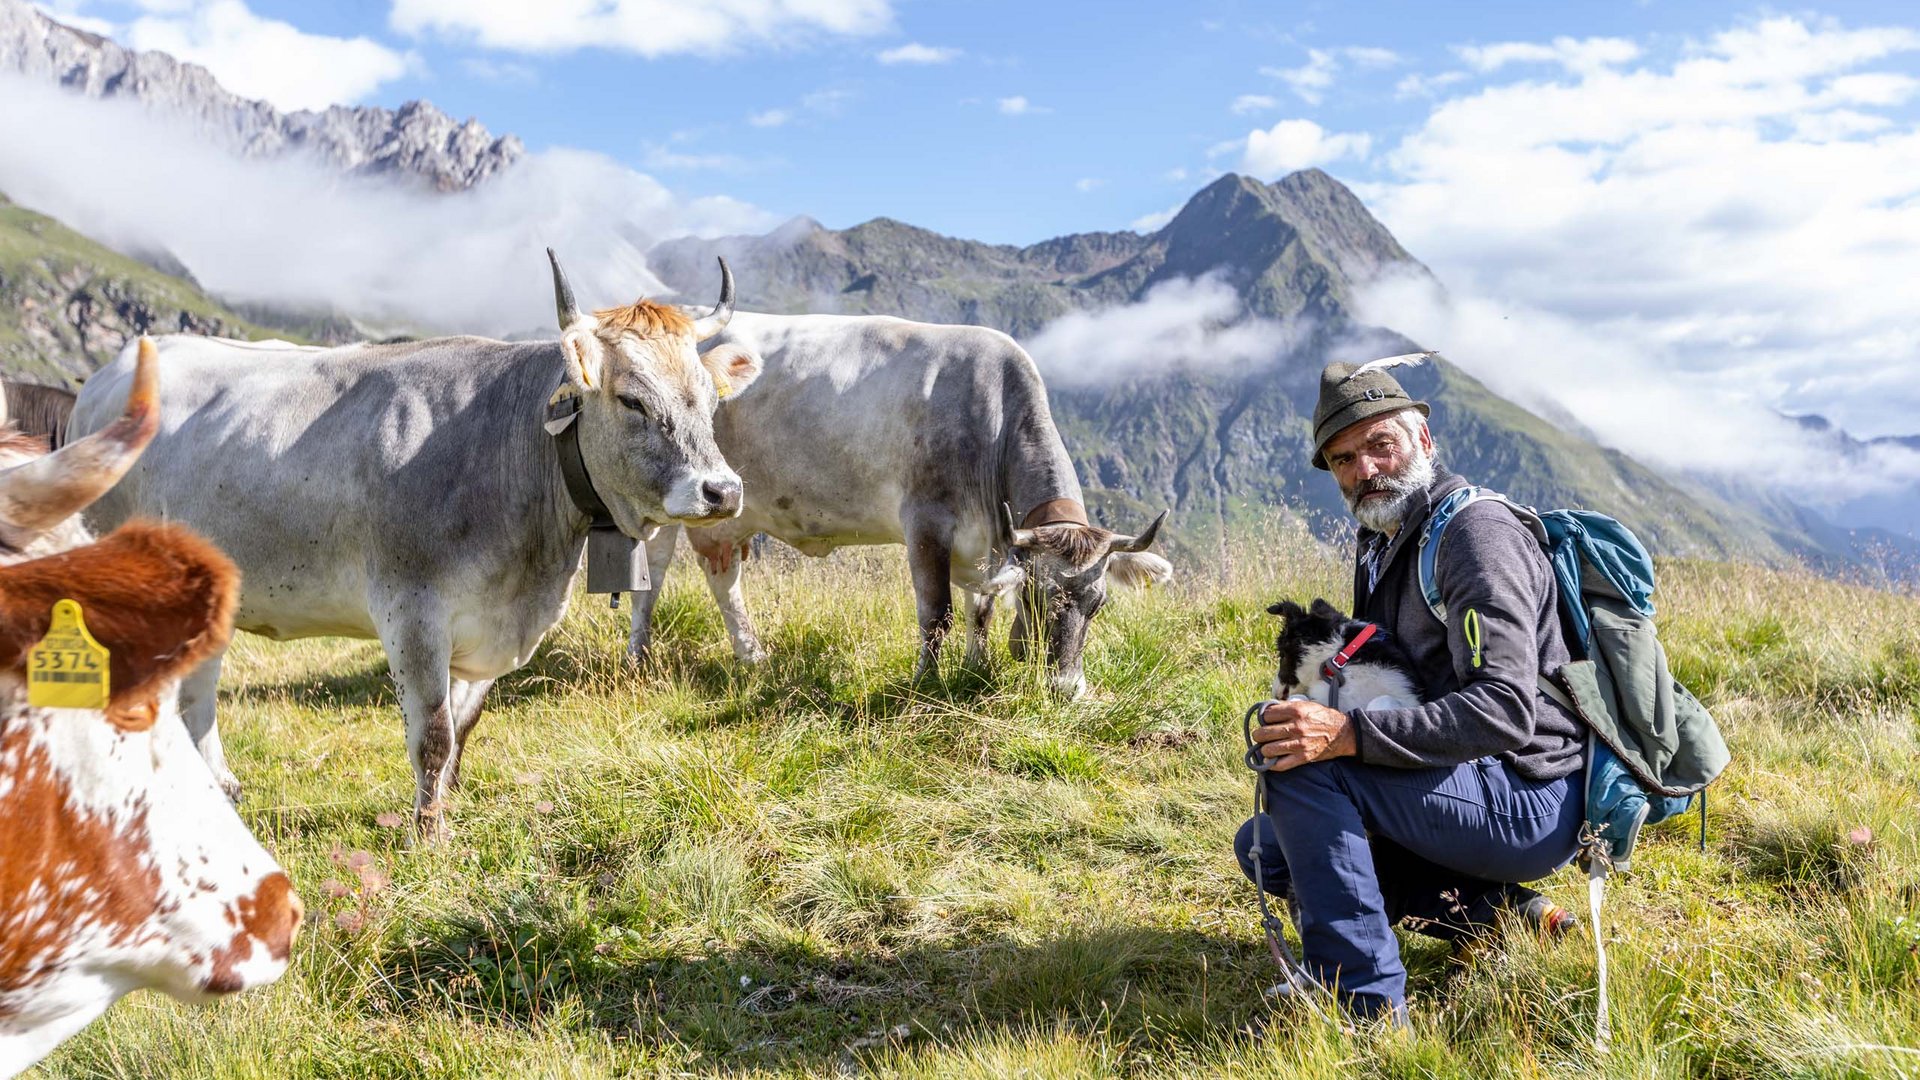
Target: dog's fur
1377, 677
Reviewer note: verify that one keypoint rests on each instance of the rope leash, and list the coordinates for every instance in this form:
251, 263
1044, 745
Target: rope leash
1296, 975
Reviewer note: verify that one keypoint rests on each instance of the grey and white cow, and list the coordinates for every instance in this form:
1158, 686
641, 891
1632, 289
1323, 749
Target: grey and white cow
876, 430
410, 492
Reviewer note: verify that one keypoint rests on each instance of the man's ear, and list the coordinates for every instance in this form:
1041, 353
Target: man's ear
733, 367
586, 357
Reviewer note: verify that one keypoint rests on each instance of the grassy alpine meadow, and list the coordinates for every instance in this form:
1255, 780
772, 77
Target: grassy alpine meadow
813, 866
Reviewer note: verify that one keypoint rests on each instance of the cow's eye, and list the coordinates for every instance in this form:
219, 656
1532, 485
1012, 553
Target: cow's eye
634, 403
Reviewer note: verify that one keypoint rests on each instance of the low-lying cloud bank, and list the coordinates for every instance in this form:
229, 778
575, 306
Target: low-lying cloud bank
293, 232
1629, 388
1195, 324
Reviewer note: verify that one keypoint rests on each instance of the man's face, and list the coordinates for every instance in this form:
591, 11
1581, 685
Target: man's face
1381, 469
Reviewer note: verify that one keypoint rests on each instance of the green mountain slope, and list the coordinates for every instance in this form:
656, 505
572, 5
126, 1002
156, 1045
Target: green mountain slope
67, 303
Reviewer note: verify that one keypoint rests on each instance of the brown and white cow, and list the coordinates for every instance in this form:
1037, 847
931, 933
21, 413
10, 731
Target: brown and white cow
122, 865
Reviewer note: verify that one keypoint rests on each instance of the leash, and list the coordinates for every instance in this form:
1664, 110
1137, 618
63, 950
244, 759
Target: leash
1296, 973
1297, 976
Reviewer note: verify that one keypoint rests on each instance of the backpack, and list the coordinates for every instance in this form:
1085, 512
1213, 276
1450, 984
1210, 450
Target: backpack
1651, 745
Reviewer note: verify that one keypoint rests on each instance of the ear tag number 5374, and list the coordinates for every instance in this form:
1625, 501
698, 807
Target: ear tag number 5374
68, 669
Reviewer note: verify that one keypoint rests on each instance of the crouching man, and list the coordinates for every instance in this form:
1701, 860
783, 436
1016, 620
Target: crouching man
1427, 814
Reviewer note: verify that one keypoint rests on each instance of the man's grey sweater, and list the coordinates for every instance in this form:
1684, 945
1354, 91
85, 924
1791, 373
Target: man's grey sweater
1479, 673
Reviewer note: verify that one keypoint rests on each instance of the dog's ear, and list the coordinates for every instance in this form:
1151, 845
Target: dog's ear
1287, 610
1324, 610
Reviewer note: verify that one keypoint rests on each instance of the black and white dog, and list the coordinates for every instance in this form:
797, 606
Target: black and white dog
1320, 644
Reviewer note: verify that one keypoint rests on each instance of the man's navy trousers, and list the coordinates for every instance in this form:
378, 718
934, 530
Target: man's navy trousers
1361, 846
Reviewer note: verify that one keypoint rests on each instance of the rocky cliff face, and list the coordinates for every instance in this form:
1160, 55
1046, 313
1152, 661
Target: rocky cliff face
416, 141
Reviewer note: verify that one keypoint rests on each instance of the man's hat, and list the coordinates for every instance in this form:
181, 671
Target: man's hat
1351, 393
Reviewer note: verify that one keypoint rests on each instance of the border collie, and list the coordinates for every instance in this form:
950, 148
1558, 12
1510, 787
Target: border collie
1377, 675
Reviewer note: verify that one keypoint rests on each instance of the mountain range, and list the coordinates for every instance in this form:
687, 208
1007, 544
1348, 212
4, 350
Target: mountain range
1220, 444
416, 142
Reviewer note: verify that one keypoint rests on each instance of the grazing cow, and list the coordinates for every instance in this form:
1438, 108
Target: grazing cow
412, 492
122, 866
874, 430
37, 410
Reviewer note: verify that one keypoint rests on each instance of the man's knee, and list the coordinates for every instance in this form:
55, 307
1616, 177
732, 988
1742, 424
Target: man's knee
1273, 865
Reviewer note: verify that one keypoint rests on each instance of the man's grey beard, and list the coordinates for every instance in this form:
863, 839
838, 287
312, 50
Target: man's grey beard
1403, 489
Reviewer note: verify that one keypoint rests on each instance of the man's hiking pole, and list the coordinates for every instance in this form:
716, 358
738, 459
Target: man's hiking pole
1296, 974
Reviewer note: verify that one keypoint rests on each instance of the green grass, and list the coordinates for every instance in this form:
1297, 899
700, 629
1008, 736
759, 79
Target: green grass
814, 866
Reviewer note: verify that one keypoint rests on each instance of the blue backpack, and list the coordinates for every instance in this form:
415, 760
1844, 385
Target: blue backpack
1651, 745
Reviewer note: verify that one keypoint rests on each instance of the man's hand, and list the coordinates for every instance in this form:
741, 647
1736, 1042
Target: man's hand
1294, 733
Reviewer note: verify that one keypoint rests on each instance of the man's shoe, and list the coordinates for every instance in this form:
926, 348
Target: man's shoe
1548, 919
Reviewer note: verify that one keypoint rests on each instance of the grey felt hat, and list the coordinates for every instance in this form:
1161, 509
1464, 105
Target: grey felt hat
1350, 393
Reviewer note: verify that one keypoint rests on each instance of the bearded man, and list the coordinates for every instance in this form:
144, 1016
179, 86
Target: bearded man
1432, 813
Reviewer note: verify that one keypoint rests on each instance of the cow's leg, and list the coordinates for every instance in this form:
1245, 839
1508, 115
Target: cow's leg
464, 701
197, 694
659, 557
930, 560
723, 557
418, 652
979, 612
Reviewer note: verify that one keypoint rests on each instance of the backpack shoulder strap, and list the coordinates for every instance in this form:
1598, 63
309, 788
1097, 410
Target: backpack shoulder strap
1435, 528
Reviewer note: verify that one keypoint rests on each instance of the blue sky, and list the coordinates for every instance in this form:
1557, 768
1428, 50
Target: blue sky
1676, 220
1124, 99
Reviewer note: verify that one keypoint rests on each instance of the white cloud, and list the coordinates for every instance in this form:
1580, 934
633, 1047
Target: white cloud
1311, 79
1252, 103
1191, 323
642, 27
915, 53
1020, 106
770, 118
1087, 183
1721, 234
1371, 56
1631, 388
1154, 222
268, 59
1297, 144
1584, 54
470, 262
1177, 175
1417, 85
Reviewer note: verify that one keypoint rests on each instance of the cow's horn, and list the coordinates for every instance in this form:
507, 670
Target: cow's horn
46, 491
1141, 542
716, 320
562, 294
1015, 536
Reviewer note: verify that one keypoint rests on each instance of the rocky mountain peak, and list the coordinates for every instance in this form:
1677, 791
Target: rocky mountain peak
416, 141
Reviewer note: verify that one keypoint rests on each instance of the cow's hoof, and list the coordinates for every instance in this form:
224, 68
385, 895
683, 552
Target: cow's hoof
751, 655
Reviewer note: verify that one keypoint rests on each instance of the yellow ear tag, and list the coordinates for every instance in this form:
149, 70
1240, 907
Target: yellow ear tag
68, 669
721, 386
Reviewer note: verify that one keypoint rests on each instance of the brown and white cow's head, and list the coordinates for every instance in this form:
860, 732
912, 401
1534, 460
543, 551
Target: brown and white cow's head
1062, 583
647, 401
122, 865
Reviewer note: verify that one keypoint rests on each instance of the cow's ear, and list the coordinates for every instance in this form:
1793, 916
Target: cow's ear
586, 358
733, 366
